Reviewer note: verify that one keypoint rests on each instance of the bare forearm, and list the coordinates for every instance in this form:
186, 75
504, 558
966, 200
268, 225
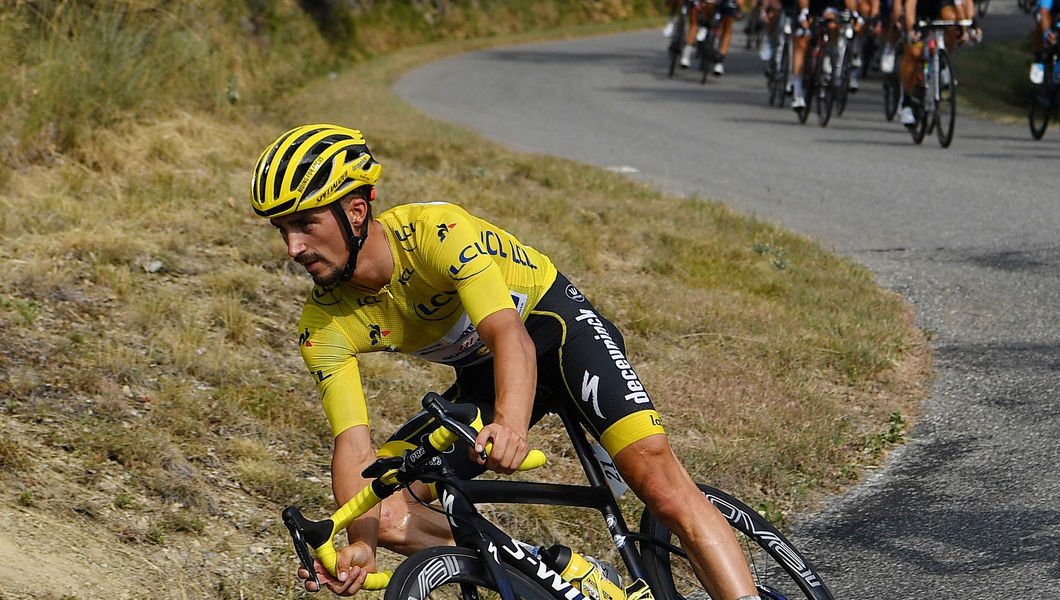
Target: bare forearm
347, 463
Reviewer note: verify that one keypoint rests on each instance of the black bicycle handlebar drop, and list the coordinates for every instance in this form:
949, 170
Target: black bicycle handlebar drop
306, 534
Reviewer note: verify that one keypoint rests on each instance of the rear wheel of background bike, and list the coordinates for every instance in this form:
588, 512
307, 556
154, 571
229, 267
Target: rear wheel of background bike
825, 99
919, 129
706, 56
981, 7
677, 43
842, 88
892, 91
808, 93
779, 81
946, 108
449, 573
1040, 104
779, 569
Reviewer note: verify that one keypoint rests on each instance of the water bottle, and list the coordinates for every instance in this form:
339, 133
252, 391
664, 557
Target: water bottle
594, 579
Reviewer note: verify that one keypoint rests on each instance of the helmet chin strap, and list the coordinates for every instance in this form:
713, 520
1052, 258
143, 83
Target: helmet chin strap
354, 243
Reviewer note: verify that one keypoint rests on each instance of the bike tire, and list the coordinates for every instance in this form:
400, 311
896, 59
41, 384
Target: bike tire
453, 573
781, 73
892, 91
676, 44
779, 569
1039, 107
825, 100
919, 129
946, 107
842, 91
706, 57
981, 7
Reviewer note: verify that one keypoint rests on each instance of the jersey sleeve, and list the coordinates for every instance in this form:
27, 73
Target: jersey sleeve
461, 253
330, 357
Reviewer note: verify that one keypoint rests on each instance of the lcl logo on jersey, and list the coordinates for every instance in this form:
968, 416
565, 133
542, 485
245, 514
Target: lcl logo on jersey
404, 236
438, 307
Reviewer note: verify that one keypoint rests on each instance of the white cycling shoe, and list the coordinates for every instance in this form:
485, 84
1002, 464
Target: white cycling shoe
906, 115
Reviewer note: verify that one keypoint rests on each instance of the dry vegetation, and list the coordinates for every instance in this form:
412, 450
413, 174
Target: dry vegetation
154, 412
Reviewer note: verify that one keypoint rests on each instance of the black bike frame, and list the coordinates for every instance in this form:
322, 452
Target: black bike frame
471, 530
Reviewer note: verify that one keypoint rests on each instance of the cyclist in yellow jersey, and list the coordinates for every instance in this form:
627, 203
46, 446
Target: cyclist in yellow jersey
433, 281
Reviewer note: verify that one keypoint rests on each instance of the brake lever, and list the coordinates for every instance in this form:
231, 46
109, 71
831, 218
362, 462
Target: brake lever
433, 403
301, 547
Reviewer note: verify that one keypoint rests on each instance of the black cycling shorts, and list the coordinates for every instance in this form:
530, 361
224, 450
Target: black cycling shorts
581, 361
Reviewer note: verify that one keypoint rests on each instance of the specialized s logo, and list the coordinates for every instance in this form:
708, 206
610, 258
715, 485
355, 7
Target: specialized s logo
443, 230
303, 339
377, 333
591, 392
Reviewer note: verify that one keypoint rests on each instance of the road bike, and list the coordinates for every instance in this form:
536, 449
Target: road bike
981, 7
486, 561
1042, 99
677, 36
817, 75
843, 60
892, 85
706, 38
778, 69
935, 94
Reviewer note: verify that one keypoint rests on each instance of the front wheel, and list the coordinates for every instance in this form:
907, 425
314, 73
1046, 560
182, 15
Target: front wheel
892, 90
919, 129
447, 572
946, 107
1039, 107
677, 43
780, 571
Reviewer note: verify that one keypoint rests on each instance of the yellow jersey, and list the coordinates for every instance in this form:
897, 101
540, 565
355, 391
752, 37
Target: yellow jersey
451, 270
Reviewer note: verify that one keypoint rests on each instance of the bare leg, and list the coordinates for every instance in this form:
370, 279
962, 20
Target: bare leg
407, 526
653, 472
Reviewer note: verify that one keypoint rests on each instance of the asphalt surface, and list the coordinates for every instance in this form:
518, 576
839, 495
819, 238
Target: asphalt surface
969, 234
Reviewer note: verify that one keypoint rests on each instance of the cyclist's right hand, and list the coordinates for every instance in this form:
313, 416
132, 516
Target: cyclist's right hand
348, 566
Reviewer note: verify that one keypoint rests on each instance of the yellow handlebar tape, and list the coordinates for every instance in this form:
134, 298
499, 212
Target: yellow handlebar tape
366, 499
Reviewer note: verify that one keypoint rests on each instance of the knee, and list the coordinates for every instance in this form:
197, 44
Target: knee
393, 523
653, 473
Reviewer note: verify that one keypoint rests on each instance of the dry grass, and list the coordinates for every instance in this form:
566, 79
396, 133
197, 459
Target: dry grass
150, 382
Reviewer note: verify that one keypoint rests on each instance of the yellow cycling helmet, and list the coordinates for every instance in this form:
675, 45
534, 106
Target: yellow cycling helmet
311, 166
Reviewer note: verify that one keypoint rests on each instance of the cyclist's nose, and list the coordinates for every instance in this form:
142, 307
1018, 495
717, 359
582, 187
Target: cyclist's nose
295, 245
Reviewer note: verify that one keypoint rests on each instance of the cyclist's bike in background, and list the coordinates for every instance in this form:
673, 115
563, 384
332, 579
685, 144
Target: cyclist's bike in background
817, 75
935, 93
486, 561
1042, 100
778, 69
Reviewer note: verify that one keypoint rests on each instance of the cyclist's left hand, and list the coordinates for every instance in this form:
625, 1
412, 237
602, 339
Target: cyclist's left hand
509, 448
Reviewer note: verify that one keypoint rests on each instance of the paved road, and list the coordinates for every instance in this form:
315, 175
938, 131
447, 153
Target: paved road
968, 508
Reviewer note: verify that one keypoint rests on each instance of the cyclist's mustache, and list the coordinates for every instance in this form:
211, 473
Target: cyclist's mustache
302, 259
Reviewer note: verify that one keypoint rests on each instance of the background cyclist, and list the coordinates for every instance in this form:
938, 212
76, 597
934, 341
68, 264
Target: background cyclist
1044, 36
914, 47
